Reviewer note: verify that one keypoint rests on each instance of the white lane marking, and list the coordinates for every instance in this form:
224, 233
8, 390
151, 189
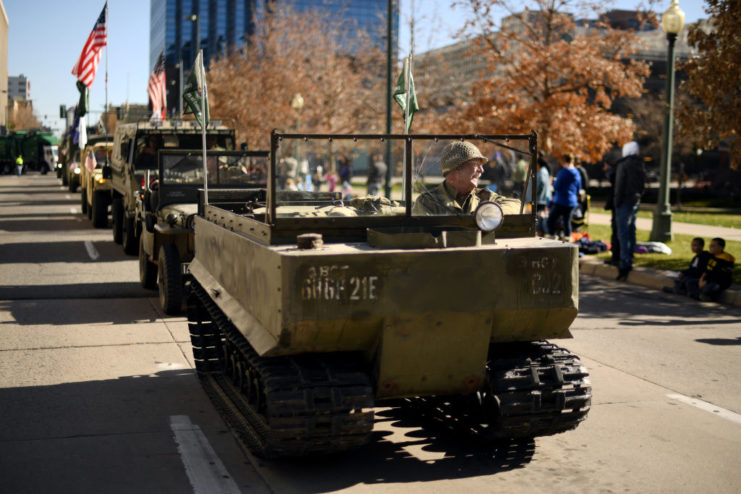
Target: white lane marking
204, 469
91, 250
73, 210
708, 407
67, 196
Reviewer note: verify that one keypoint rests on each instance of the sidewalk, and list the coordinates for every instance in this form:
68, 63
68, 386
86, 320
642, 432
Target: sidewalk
653, 278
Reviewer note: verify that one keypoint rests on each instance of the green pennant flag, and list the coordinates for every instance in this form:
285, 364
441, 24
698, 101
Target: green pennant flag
84, 103
194, 90
406, 98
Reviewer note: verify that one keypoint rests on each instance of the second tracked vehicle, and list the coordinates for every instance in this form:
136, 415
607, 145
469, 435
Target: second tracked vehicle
312, 305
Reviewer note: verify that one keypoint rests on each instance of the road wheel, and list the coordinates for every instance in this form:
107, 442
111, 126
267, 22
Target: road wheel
147, 269
72, 184
130, 241
169, 279
65, 177
117, 216
99, 210
83, 201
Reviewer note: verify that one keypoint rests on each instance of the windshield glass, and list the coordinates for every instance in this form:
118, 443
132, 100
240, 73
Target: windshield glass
224, 168
346, 175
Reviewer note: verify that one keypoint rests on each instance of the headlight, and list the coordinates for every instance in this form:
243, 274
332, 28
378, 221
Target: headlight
101, 180
77, 171
489, 216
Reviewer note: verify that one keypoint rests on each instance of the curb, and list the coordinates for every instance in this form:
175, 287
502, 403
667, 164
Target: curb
651, 278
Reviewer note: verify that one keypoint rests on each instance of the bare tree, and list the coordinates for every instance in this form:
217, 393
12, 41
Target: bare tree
21, 117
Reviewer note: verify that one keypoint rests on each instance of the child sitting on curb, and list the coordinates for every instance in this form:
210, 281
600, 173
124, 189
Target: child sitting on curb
694, 272
718, 274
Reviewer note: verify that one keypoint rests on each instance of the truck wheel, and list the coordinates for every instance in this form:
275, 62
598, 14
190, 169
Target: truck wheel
99, 210
83, 201
130, 241
72, 184
117, 216
169, 279
65, 178
147, 269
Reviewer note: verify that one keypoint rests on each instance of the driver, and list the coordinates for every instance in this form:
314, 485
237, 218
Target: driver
462, 165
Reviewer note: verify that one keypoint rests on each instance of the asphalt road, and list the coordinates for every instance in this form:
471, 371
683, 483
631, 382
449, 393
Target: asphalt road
97, 392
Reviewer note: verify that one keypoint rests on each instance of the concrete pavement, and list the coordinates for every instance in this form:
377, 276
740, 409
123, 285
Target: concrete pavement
653, 278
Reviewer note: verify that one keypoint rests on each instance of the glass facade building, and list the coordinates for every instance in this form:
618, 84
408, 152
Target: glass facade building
223, 25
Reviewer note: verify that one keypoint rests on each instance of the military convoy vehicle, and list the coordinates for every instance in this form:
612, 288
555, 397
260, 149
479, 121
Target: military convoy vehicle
308, 308
95, 194
166, 208
134, 154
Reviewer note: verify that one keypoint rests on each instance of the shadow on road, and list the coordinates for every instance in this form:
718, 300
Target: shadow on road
419, 454
73, 251
720, 341
45, 225
85, 291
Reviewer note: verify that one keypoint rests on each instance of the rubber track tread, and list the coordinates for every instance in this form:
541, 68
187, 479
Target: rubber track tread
536, 389
303, 405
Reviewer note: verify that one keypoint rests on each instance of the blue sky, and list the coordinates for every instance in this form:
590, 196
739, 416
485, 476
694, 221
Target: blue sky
45, 38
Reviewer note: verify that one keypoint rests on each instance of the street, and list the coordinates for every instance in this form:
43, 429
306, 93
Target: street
98, 393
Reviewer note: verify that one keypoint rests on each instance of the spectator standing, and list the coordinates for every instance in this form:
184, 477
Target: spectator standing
630, 181
543, 194
19, 164
376, 174
609, 169
565, 198
344, 169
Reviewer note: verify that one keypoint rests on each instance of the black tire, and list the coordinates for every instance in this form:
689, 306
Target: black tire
99, 214
65, 178
147, 269
130, 240
83, 201
170, 280
117, 216
72, 184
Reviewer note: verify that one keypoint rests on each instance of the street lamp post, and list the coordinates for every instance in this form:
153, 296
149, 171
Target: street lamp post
672, 22
297, 103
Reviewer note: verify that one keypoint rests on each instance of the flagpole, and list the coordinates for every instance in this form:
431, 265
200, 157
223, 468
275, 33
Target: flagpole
105, 108
203, 130
408, 71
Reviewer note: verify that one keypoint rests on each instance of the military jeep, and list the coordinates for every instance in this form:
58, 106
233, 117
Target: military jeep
168, 204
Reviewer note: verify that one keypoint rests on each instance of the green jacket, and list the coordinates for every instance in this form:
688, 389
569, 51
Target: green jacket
442, 201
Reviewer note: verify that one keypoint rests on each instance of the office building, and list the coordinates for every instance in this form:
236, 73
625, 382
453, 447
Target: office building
219, 26
19, 88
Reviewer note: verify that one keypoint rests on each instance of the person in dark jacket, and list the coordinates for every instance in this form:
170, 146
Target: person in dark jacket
565, 198
718, 273
691, 276
630, 181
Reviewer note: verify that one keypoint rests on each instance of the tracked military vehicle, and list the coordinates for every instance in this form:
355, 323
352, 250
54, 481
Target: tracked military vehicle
310, 307
135, 147
166, 208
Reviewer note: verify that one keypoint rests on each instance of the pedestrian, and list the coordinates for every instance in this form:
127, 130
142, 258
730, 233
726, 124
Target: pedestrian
376, 174
565, 198
344, 169
630, 181
19, 164
718, 274
691, 276
543, 194
462, 164
610, 166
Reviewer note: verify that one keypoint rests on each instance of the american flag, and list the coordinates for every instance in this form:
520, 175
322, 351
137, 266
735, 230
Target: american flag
156, 89
87, 64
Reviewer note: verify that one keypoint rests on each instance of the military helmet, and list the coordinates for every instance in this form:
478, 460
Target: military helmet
458, 152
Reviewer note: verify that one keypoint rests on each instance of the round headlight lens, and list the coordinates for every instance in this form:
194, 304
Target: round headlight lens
489, 216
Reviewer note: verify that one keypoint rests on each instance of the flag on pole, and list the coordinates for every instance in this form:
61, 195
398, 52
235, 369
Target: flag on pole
87, 64
156, 89
195, 93
405, 95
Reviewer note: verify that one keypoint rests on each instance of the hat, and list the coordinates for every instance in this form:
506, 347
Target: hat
458, 152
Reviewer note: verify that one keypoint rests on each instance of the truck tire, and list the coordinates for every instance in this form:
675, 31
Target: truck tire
99, 210
147, 269
72, 184
65, 178
83, 201
117, 216
169, 280
129, 239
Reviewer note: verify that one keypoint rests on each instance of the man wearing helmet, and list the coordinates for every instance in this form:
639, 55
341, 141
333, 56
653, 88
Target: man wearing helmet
462, 165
